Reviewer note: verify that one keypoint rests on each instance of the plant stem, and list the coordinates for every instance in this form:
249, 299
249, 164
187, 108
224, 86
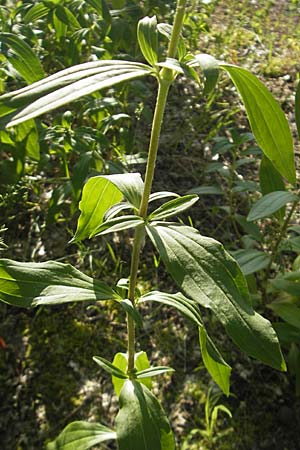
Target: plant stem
275, 248
166, 78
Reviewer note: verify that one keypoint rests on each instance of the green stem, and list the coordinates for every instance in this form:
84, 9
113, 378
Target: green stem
165, 80
274, 250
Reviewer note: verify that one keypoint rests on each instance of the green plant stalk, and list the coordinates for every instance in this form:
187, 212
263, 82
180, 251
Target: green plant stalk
166, 78
276, 245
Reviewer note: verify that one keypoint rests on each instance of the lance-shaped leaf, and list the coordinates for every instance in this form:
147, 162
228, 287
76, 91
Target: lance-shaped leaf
173, 207
141, 422
288, 310
219, 370
49, 283
270, 180
110, 368
153, 372
166, 30
68, 85
268, 122
81, 435
270, 203
210, 68
251, 260
211, 277
101, 193
24, 60
118, 224
147, 37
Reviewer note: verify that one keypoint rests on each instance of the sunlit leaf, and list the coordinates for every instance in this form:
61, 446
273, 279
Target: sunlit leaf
49, 283
153, 372
118, 224
81, 436
213, 360
141, 362
68, 85
210, 276
173, 207
110, 368
147, 37
141, 422
102, 192
297, 108
268, 122
270, 180
210, 68
24, 60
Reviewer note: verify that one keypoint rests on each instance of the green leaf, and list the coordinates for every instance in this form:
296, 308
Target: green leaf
67, 17
166, 30
213, 360
153, 372
147, 37
24, 60
172, 64
251, 260
36, 12
250, 228
270, 203
81, 436
288, 282
287, 333
173, 207
163, 194
297, 108
118, 224
268, 122
68, 85
210, 68
132, 311
141, 422
141, 362
270, 180
101, 8
49, 283
101, 193
288, 311
206, 190
210, 276
219, 370
110, 368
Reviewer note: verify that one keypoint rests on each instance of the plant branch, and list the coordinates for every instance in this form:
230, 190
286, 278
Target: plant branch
166, 78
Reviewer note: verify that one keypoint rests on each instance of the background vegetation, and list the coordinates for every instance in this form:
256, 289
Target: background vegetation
47, 376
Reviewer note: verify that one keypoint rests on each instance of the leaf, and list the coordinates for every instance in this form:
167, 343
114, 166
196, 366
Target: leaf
141, 422
68, 85
132, 311
172, 64
270, 203
109, 367
210, 68
153, 372
219, 370
173, 207
297, 108
268, 122
24, 60
288, 282
210, 276
141, 362
36, 12
270, 180
101, 193
118, 224
250, 228
101, 8
162, 194
213, 360
147, 38
251, 260
166, 30
288, 311
286, 332
81, 435
49, 283
206, 190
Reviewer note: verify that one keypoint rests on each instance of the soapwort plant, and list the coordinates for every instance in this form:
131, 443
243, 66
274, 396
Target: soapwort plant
207, 276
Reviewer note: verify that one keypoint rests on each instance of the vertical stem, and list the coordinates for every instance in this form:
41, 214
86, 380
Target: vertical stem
165, 81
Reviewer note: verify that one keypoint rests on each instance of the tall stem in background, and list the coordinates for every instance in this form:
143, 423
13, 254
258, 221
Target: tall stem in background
165, 80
